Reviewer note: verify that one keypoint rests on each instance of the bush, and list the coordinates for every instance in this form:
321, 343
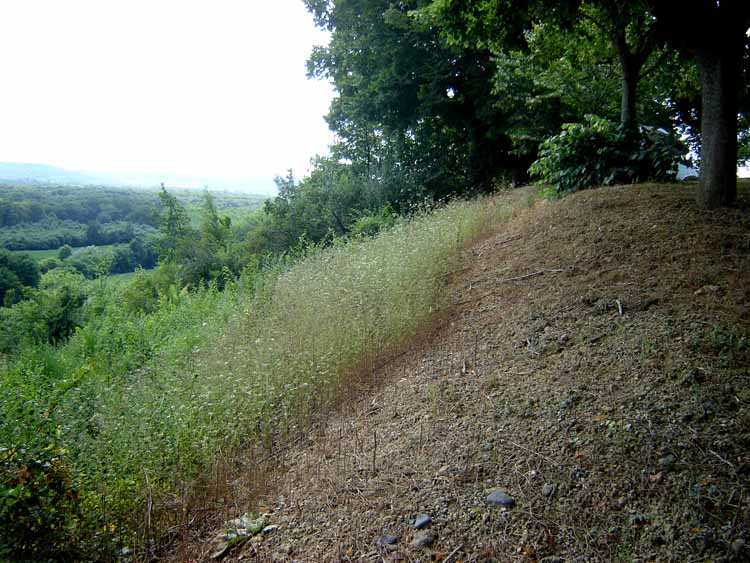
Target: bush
370, 225
38, 505
599, 153
64, 252
46, 315
48, 264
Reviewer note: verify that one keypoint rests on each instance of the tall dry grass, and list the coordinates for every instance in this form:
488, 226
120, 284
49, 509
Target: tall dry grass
253, 368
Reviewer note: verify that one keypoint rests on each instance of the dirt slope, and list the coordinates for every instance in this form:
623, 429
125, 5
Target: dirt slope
595, 367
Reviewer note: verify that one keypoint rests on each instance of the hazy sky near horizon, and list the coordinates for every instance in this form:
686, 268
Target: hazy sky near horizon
211, 87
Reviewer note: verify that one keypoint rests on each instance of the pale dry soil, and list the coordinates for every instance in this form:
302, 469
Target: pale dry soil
592, 366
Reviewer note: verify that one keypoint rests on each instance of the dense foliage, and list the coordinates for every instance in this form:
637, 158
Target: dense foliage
16, 272
712, 36
601, 153
414, 116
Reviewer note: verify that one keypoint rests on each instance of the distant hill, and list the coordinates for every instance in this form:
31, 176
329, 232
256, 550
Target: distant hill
32, 173
21, 172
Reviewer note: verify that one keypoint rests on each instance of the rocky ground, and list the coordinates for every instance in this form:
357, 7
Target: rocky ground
586, 399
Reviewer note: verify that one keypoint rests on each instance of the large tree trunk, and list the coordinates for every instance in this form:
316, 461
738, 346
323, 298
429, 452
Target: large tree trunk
719, 71
630, 76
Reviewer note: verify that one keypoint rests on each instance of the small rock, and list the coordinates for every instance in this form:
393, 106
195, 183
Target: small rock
386, 540
423, 539
271, 528
421, 521
569, 402
487, 446
562, 339
499, 498
548, 489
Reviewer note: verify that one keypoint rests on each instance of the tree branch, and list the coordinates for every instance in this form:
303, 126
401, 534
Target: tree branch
663, 55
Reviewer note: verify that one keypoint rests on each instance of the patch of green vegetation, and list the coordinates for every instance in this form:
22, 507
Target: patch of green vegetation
598, 152
40, 255
730, 344
136, 407
122, 279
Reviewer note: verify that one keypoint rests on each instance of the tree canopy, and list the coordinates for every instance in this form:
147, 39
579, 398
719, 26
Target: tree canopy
413, 114
441, 98
712, 34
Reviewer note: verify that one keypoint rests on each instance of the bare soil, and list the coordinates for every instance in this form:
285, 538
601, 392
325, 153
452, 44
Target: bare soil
595, 366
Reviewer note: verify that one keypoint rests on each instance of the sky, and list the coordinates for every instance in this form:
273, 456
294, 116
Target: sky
211, 88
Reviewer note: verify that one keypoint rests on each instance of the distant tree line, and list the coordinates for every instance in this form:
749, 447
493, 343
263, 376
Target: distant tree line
93, 261
53, 234
41, 217
34, 204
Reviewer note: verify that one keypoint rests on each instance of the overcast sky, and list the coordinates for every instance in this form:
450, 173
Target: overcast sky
212, 87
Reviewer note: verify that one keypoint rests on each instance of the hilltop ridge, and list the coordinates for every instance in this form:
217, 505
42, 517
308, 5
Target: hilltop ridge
594, 367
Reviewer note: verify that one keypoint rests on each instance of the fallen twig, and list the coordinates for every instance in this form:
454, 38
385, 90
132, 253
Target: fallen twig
509, 240
531, 275
729, 463
594, 339
453, 553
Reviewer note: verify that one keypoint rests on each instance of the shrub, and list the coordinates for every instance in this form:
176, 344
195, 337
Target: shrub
47, 315
370, 225
48, 264
600, 153
38, 505
64, 252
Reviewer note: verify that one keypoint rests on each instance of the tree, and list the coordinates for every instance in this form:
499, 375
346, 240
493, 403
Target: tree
64, 252
48, 314
561, 75
504, 24
94, 234
715, 33
633, 35
174, 224
215, 230
415, 116
10, 285
17, 270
